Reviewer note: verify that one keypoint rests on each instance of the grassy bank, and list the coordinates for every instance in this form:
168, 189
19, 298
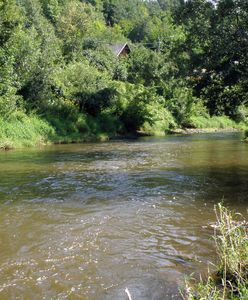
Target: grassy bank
216, 122
230, 280
21, 130
195, 124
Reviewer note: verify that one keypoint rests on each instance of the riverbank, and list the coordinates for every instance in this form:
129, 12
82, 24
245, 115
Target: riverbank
204, 130
21, 130
10, 143
230, 280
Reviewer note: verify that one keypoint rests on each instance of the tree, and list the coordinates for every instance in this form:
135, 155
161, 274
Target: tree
82, 83
75, 21
10, 21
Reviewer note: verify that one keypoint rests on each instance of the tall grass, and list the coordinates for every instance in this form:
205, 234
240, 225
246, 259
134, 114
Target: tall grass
230, 281
220, 122
82, 128
20, 130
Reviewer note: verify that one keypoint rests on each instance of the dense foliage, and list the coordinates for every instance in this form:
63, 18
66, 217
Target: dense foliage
189, 60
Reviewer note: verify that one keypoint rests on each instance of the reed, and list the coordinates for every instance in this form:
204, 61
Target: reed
230, 280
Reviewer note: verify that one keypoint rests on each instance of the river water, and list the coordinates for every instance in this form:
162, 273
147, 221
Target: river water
87, 221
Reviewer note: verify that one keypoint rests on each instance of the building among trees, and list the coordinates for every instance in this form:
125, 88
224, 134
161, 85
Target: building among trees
120, 50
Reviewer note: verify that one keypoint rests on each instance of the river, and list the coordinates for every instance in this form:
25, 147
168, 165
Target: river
87, 221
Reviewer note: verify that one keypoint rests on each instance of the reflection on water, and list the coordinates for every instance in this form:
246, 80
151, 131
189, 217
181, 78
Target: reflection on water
86, 221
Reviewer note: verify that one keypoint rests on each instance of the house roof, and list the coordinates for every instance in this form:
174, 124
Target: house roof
118, 48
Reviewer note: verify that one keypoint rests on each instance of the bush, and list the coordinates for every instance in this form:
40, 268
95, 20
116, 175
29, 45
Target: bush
242, 114
246, 135
161, 121
110, 123
180, 102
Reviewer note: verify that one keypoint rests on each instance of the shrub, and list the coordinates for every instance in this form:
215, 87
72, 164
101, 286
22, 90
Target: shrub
242, 114
246, 135
161, 121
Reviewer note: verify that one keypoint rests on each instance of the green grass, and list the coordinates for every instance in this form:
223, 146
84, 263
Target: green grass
230, 281
220, 122
83, 128
20, 130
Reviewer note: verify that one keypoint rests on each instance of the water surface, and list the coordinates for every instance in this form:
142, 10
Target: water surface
87, 221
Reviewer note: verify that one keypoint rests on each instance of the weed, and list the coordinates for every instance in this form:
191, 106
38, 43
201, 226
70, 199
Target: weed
230, 281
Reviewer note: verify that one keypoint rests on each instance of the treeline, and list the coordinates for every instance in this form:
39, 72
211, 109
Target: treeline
188, 63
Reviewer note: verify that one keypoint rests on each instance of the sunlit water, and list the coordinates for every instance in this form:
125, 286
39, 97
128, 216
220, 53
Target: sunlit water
87, 221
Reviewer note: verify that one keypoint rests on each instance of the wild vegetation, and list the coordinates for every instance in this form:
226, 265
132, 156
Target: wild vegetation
60, 80
230, 280
246, 135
